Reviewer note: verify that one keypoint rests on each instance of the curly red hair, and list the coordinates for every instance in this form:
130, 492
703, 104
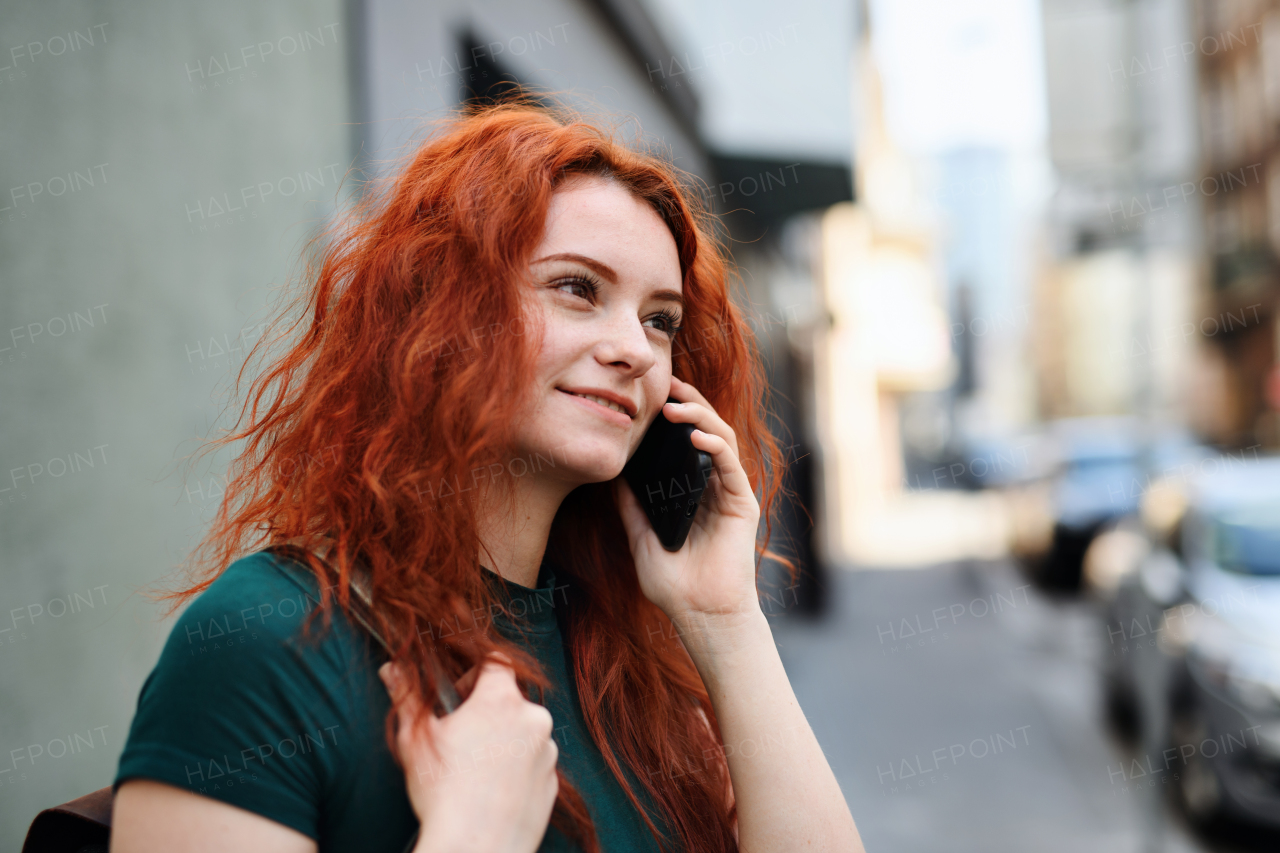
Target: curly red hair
402, 377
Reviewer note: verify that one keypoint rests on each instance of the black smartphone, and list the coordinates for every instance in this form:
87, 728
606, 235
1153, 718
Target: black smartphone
668, 475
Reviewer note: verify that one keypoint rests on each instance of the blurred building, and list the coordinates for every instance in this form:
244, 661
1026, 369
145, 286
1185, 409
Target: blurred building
920, 373
1238, 46
773, 85
1115, 310
884, 286
1161, 278
965, 103
887, 335
412, 62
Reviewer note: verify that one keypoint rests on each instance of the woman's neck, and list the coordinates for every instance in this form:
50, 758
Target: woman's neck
514, 539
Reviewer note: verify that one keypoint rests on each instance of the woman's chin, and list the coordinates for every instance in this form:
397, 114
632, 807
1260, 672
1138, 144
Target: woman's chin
601, 473
590, 469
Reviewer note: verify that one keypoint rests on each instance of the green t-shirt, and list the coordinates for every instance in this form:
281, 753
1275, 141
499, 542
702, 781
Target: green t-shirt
243, 708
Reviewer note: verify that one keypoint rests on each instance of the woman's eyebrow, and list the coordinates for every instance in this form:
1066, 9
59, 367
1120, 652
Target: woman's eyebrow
668, 296
608, 274
601, 269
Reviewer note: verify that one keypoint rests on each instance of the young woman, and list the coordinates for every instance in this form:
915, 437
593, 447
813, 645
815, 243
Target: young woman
483, 350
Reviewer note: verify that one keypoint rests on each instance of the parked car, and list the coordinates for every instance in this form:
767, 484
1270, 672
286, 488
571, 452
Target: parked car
1104, 468
999, 460
1097, 482
1193, 638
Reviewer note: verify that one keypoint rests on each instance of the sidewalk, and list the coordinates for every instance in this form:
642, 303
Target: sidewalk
961, 711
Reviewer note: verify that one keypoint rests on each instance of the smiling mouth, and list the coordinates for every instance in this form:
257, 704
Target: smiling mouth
608, 404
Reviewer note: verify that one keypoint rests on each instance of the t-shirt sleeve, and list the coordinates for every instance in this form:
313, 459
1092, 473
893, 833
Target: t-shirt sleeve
242, 707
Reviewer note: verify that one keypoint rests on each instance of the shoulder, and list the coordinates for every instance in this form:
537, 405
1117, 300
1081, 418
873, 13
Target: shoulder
261, 578
242, 706
264, 595
255, 633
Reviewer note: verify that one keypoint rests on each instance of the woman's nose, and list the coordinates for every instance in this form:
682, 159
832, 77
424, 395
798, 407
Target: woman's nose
624, 342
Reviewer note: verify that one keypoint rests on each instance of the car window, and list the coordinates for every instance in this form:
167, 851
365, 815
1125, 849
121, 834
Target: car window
1247, 539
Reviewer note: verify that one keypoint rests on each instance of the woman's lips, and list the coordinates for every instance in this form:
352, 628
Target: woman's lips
619, 418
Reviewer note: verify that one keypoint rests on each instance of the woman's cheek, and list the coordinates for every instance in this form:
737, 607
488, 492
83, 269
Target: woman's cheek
658, 383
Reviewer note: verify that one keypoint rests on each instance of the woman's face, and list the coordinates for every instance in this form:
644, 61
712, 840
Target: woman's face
606, 285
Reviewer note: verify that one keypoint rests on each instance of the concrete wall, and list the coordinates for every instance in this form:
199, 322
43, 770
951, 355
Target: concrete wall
161, 168
414, 72
122, 285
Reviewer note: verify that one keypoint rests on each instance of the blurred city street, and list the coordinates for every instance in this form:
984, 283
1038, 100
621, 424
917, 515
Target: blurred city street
1021, 674
1011, 269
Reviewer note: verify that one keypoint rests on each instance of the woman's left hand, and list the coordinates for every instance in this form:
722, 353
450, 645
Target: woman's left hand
713, 573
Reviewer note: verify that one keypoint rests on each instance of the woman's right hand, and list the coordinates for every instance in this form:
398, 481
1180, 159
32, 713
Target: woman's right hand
492, 784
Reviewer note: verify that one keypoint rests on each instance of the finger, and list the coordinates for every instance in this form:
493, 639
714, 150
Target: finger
550, 756
392, 680
465, 684
702, 417
687, 393
499, 663
727, 466
683, 391
494, 673
407, 704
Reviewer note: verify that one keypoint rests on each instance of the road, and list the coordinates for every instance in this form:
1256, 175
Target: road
960, 711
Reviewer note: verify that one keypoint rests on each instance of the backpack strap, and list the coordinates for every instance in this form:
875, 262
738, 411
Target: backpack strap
362, 610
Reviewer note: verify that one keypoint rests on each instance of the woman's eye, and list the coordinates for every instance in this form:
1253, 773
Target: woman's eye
578, 287
667, 322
